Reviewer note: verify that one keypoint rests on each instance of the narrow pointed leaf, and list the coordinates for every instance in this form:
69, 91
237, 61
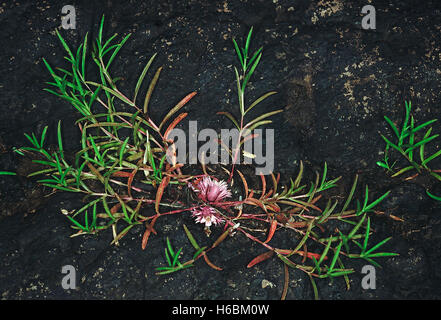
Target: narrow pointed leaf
272, 230
141, 77
175, 122
266, 115
152, 85
260, 258
160, 192
260, 99
177, 107
229, 116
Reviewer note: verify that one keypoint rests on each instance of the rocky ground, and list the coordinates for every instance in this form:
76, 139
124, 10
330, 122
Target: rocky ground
335, 81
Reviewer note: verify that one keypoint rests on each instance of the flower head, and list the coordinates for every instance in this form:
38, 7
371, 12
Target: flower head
206, 215
210, 190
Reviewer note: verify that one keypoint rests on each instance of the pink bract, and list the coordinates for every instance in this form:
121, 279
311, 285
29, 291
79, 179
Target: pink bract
206, 215
210, 190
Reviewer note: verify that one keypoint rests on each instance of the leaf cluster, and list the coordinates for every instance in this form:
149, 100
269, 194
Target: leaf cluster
410, 147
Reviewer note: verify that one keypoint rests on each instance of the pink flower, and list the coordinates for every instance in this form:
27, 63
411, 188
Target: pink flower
210, 190
206, 215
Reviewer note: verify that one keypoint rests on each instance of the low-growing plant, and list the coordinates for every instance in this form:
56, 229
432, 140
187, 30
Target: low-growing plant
122, 170
248, 64
411, 147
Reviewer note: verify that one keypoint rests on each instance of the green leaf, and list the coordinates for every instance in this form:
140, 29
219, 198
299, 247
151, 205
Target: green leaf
355, 229
100, 32
120, 45
258, 124
288, 262
433, 156
175, 259
236, 47
171, 270
248, 75
351, 194
411, 138
424, 125
299, 177
94, 217
7, 173
51, 71
366, 208
336, 254
393, 126
437, 198
115, 93
302, 242
396, 174
198, 252
231, 117
325, 252
382, 254
93, 98
404, 130
170, 247
83, 57
392, 145
424, 141
260, 99
341, 273
428, 132
314, 287
86, 222
141, 77
239, 93
247, 43
377, 246
316, 265
33, 141
60, 142
103, 52
266, 115
325, 171
168, 257
43, 135
366, 238
191, 238
66, 47
122, 151
76, 223
372, 262
328, 210
437, 176
255, 55
17, 150
106, 208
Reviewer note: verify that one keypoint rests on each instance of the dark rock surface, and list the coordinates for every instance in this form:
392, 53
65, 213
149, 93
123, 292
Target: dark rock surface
335, 81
